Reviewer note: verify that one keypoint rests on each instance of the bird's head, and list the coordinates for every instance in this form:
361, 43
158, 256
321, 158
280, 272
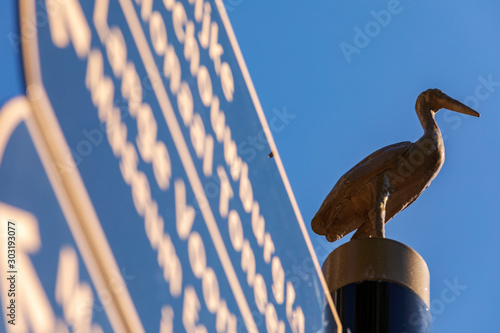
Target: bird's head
435, 99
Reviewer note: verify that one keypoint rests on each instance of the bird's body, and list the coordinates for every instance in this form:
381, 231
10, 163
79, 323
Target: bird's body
385, 182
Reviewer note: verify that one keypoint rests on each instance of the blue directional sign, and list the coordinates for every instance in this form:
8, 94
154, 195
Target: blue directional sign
137, 194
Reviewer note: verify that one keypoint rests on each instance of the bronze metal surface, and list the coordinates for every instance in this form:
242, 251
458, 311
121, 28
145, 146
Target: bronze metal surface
377, 259
388, 180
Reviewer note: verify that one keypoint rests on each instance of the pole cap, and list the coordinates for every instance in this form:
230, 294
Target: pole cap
377, 259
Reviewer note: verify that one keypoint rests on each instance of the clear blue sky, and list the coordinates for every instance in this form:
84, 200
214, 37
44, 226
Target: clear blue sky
346, 110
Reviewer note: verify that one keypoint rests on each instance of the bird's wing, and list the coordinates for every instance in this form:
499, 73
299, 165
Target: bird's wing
350, 183
374, 162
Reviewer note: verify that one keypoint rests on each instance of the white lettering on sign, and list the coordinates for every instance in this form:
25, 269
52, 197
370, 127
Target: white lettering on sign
210, 284
215, 50
167, 319
34, 312
172, 69
146, 8
211, 290
217, 119
260, 293
226, 192
225, 321
248, 264
278, 280
295, 315
153, 151
197, 256
185, 214
246, 193
273, 325
162, 166
190, 311
150, 150
227, 81
235, 230
205, 86
268, 247
204, 34
191, 49
75, 297
116, 51
198, 135
153, 224
185, 103
208, 156
158, 33
208, 38
179, 20
67, 23
258, 224
148, 129
169, 261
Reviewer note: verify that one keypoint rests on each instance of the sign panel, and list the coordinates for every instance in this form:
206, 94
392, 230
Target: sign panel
45, 284
169, 213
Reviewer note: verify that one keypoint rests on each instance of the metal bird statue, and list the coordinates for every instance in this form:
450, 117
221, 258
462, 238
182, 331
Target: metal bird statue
388, 180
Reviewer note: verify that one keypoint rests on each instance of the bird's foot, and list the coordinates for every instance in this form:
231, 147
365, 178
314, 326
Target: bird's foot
363, 234
371, 228
331, 238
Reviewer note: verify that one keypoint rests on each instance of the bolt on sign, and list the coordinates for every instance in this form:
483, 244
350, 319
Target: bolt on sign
138, 204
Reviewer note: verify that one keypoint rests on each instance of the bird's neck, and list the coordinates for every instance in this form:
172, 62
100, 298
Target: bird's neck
426, 117
432, 135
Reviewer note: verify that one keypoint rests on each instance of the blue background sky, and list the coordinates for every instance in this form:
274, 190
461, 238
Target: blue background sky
346, 110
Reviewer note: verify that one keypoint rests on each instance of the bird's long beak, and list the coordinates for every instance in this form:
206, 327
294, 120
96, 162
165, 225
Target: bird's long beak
454, 105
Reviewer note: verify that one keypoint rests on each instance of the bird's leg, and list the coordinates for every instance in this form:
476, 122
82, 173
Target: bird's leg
366, 229
374, 225
380, 206
380, 218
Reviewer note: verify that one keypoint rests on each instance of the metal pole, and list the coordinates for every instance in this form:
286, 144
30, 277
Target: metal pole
379, 285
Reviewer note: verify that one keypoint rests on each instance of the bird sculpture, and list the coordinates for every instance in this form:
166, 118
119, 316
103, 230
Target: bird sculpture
388, 180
